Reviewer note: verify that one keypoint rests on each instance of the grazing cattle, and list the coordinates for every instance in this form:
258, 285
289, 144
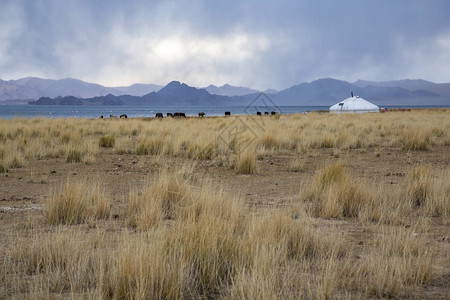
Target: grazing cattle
124, 116
112, 116
169, 114
273, 113
179, 115
101, 117
258, 113
266, 113
227, 113
159, 115
201, 114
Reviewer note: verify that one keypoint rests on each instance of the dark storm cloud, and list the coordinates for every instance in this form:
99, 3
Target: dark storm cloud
255, 43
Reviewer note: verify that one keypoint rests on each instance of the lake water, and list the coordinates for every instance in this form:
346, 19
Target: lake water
56, 111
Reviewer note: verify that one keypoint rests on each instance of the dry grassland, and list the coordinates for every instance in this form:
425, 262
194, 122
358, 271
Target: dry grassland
313, 206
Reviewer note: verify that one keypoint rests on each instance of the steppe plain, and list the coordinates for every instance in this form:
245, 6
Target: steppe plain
309, 206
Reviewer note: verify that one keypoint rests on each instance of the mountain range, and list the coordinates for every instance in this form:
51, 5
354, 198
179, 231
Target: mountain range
34, 88
329, 91
229, 90
326, 91
174, 93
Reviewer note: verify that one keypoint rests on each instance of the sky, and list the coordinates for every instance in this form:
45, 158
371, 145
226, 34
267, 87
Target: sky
258, 44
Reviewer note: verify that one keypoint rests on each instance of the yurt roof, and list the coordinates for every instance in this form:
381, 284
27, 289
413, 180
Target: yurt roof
354, 103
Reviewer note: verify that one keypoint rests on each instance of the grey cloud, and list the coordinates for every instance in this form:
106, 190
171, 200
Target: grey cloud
115, 41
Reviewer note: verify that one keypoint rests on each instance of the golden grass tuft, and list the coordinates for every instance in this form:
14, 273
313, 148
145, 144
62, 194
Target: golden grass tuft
107, 141
418, 185
246, 163
152, 146
197, 253
334, 195
11, 161
401, 258
416, 141
157, 201
429, 193
269, 142
59, 261
144, 270
200, 152
77, 202
333, 174
75, 155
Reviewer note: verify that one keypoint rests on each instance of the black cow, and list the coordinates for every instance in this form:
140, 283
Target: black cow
201, 114
169, 114
101, 117
258, 113
159, 115
266, 113
179, 115
124, 116
227, 113
273, 113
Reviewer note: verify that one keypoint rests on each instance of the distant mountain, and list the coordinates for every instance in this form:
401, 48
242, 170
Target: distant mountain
34, 88
329, 91
270, 91
409, 84
174, 93
325, 91
229, 90
442, 89
138, 89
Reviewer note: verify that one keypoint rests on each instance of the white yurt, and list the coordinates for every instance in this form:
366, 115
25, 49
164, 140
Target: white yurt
354, 104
